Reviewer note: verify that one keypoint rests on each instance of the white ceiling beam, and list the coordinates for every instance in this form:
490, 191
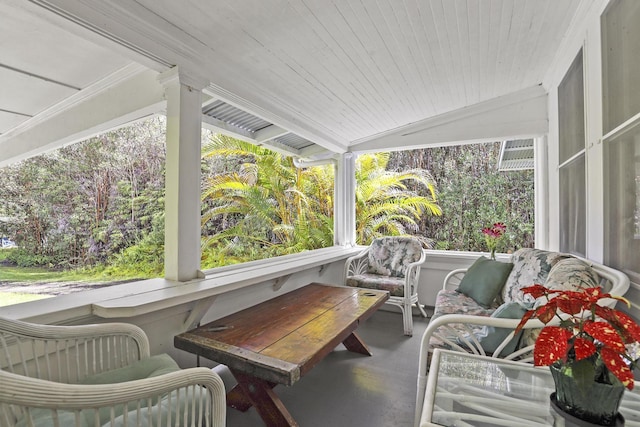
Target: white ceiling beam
225, 128
518, 115
126, 96
268, 133
280, 148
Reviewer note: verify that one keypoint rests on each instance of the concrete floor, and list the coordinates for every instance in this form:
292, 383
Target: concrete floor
348, 389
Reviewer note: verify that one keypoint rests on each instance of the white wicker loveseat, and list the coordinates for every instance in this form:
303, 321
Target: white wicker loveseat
454, 329
99, 375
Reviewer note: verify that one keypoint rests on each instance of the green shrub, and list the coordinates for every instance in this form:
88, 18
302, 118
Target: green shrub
22, 258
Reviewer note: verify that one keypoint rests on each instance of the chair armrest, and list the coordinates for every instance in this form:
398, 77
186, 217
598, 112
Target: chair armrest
453, 279
412, 274
357, 264
195, 389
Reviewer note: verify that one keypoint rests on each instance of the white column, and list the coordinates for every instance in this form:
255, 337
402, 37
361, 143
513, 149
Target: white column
182, 179
541, 192
344, 210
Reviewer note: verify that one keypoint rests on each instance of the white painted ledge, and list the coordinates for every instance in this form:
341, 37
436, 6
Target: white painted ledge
159, 294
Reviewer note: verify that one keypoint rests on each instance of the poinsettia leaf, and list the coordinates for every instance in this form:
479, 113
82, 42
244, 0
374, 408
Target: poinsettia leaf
546, 312
551, 345
525, 319
626, 327
569, 304
592, 295
617, 366
535, 291
583, 348
627, 323
606, 334
606, 313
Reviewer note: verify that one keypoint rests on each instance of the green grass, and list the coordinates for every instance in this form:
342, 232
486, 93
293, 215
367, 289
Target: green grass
32, 274
38, 274
10, 298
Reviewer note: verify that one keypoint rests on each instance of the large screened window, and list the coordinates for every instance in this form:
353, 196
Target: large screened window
572, 160
621, 121
258, 203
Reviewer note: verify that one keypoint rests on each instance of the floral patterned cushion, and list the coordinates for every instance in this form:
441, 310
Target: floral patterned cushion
530, 266
394, 285
570, 274
390, 256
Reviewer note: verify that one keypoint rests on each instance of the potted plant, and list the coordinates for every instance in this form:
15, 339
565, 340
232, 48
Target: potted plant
588, 349
493, 236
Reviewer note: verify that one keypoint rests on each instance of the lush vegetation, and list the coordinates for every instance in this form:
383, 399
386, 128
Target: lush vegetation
97, 207
473, 195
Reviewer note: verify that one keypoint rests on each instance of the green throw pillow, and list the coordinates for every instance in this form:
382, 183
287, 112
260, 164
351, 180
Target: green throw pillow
484, 280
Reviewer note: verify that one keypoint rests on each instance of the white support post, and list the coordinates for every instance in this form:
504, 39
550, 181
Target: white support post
182, 179
541, 192
344, 211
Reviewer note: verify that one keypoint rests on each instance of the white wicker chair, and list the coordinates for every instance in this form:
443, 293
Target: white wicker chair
390, 264
43, 368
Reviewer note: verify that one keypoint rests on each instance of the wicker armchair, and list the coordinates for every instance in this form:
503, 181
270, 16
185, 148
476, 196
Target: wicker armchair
99, 375
390, 264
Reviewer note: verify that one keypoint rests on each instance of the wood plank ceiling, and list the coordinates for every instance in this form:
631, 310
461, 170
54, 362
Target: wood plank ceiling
333, 72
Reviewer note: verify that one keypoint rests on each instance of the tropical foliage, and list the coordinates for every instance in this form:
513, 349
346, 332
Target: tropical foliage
263, 205
391, 203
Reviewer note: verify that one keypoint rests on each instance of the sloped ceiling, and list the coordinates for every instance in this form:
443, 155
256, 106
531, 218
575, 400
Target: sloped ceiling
337, 75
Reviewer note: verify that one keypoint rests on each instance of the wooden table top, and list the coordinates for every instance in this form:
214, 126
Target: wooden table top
281, 339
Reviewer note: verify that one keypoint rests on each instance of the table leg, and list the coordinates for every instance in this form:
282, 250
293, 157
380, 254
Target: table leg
260, 394
355, 344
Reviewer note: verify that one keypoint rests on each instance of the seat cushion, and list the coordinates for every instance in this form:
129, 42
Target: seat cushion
451, 302
530, 267
390, 256
394, 285
144, 368
484, 280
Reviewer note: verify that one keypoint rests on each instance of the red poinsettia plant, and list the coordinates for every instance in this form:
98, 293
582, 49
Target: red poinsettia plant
585, 330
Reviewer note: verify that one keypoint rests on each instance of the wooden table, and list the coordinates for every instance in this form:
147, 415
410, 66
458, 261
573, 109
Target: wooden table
280, 340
